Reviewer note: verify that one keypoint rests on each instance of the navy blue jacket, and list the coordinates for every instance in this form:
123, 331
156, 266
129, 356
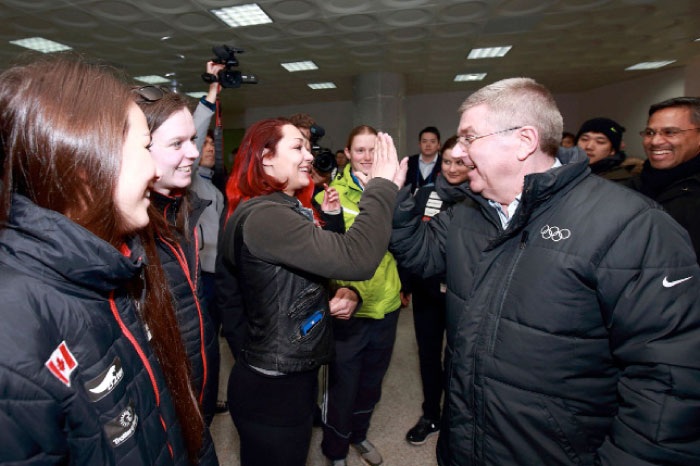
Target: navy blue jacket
79, 382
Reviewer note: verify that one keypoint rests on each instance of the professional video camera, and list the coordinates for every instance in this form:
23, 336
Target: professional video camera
227, 77
324, 159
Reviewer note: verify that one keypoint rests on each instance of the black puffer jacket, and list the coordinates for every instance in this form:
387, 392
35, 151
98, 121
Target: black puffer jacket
181, 265
572, 336
678, 192
79, 383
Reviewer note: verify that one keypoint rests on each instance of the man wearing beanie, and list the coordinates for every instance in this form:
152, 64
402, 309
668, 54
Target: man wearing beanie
671, 175
600, 138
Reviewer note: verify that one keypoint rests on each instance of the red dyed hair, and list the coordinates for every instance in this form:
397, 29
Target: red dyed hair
248, 178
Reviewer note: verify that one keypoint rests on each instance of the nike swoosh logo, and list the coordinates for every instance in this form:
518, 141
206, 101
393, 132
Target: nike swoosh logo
668, 284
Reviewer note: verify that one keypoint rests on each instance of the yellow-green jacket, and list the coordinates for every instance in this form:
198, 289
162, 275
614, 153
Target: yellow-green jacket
380, 294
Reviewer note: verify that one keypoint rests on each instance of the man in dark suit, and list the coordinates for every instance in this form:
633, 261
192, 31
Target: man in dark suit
425, 166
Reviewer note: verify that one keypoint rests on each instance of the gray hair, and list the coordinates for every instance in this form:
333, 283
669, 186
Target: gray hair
520, 102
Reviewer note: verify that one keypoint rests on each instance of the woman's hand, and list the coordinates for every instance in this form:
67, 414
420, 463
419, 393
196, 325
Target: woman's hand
385, 163
344, 303
400, 176
331, 200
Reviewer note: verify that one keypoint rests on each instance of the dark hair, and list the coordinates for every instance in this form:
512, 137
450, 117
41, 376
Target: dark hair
248, 178
567, 134
302, 120
429, 129
449, 144
691, 103
63, 125
157, 112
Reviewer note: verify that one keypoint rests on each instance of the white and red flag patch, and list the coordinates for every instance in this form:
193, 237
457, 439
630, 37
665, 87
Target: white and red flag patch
62, 363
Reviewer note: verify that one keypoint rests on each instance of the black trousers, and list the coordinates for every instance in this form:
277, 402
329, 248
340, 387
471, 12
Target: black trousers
273, 415
214, 359
363, 352
429, 322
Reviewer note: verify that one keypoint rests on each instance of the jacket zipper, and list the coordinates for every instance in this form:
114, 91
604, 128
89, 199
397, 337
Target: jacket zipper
511, 272
144, 360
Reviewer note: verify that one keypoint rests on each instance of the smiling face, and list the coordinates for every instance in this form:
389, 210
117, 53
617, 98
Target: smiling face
668, 152
174, 151
137, 172
453, 169
495, 172
596, 145
291, 162
361, 153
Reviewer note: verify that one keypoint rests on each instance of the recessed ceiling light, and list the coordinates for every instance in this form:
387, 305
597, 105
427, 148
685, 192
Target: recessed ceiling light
197, 95
168, 75
299, 66
649, 65
470, 77
152, 79
166, 37
489, 52
41, 45
242, 15
326, 85
697, 40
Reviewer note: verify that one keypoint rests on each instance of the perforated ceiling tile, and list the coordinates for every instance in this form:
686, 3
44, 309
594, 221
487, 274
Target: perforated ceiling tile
318, 43
456, 30
72, 18
290, 10
197, 22
34, 5
580, 5
34, 25
464, 11
154, 28
276, 47
168, 7
404, 3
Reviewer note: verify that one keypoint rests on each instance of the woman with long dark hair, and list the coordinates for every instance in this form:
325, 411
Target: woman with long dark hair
281, 261
174, 212
92, 367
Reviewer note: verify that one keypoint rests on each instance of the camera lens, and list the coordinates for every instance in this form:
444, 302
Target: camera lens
324, 162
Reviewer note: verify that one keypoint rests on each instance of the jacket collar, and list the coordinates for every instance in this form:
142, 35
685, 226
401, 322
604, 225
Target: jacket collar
654, 181
538, 190
45, 243
451, 193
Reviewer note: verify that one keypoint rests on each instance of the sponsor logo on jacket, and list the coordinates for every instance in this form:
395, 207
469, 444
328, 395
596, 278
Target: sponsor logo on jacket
104, 383
556, 234
122, 427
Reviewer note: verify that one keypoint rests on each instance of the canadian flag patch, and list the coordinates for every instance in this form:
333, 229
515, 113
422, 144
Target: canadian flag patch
62, 363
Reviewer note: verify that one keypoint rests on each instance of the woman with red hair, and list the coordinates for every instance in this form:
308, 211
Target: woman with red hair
273, 252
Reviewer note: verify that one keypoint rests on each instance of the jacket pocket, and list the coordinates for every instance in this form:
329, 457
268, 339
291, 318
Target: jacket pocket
564, 429
307, 298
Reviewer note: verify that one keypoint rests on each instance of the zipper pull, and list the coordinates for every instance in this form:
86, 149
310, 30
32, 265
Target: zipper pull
523, 239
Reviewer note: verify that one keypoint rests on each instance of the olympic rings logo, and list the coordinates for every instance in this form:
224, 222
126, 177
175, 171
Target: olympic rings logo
555, 233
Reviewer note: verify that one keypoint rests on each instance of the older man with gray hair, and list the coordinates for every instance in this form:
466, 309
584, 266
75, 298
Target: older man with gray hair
573, 318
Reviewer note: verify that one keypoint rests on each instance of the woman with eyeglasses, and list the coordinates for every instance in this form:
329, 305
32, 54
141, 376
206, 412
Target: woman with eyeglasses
174, 212
92, 367
281, 261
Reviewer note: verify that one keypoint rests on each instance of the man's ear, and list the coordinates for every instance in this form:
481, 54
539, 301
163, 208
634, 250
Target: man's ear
529, 138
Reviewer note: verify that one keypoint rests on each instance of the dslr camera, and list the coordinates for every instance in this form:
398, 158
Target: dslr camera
228, 77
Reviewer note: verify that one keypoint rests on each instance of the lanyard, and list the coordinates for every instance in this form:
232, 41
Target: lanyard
357, 182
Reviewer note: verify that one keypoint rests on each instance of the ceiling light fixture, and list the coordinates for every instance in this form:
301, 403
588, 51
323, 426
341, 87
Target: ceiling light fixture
489, 52
41, 45
469, 77
299, 66
649, 65
152, 79
242, 15
326, 85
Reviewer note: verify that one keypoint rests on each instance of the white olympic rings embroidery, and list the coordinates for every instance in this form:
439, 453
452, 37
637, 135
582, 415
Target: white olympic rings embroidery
555, 233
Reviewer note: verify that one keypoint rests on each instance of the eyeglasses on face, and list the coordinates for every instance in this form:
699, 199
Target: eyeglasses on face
466, 141
670, 132
150, 93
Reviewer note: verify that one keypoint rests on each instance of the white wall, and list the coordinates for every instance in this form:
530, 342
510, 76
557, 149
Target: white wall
626, 102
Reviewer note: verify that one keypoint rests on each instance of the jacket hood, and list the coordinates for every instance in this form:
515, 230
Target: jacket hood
45, 243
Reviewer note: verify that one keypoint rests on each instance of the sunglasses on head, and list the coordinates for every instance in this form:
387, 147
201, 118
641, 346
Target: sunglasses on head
150, 93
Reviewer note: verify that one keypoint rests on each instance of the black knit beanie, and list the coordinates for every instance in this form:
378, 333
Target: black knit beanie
608, 127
